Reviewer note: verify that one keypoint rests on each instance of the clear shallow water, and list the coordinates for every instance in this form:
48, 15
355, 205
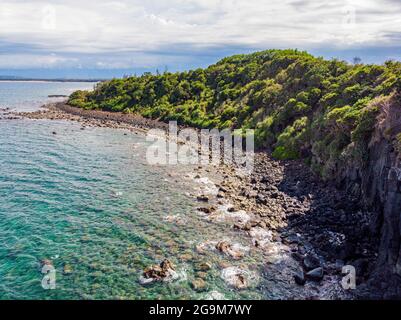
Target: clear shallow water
87, 199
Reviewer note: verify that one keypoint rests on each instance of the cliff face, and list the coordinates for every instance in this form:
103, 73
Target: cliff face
378, 185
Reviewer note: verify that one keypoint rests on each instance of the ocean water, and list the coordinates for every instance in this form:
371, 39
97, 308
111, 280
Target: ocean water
88, 201
30, 95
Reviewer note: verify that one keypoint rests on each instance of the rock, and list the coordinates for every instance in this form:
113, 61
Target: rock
205, 246
177, 219
260, 236
224, 265
339, 265
57, 96
201, 274
208, 210
234, 251
315, 274
297, 256
203, 266
252, 194
145, 281
311, 262
347, 250
299, 278
274, 195
235, 277
162, 272
186, 257
198, 284
276, 237
167, 265
241, 282
67, 269
46, 262
215, 295
292, 238
261, 199
222, 189
223, 246
200, 249
360, 265
239, 226
202, 198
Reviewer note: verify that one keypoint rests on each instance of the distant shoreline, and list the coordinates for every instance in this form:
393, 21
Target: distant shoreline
52, 80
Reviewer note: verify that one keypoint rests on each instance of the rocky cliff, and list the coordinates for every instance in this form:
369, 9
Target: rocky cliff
377, 183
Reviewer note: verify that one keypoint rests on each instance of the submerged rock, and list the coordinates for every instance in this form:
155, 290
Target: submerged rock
163, 272
201, 248
177, 219
201, 274
203, 266
215, 295
67, 269
46, 262
198, 284
186, 257
235, 277
235, 251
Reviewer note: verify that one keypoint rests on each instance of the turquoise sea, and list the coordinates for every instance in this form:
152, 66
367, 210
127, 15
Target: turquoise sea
88, 201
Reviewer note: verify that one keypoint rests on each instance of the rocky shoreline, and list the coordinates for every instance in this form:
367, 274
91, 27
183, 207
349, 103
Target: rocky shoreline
285, 204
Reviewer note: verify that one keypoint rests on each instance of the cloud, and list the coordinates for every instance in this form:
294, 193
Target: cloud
124, 33
35, 61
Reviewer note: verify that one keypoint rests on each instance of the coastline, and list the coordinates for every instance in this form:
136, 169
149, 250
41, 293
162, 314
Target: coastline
300, 212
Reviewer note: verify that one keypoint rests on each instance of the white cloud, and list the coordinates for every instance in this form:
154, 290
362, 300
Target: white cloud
100, 27
35, 61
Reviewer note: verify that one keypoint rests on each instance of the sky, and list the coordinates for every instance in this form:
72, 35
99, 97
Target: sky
106, 38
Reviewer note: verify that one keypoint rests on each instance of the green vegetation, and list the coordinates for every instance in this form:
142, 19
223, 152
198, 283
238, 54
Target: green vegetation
299, 105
